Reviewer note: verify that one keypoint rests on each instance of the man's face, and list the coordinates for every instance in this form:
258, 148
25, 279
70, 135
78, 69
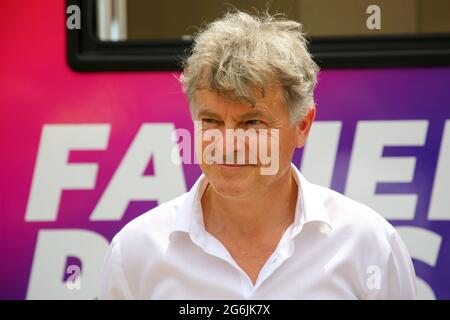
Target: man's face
267, 121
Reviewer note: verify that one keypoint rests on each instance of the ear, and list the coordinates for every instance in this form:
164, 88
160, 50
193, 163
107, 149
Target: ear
304, 126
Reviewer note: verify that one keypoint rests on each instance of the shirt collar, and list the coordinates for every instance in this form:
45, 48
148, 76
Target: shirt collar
310, 204
309, 208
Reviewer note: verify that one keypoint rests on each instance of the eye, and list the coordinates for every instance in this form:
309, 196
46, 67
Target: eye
253, 122
210, 121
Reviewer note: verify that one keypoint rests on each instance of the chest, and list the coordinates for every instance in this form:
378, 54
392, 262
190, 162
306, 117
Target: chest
251, 256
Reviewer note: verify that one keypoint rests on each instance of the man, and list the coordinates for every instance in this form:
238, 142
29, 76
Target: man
240, 233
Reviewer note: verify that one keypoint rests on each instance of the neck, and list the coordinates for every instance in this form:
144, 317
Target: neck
255, 217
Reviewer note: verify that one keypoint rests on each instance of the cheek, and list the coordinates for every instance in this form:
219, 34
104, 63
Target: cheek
276, 147
288, 144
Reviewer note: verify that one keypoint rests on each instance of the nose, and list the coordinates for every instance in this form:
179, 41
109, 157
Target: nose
234, 145
232, 142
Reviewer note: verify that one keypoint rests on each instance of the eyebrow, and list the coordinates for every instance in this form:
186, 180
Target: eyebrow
207, 113
255, 114
248, 115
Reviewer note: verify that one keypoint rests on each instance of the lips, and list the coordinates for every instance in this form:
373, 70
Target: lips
233, 165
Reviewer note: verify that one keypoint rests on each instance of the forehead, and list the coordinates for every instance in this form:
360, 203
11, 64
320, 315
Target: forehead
270, 100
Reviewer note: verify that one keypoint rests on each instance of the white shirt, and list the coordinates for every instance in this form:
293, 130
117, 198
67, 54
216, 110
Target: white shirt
336, 248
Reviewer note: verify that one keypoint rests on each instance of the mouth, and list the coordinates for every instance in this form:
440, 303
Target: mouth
234, 165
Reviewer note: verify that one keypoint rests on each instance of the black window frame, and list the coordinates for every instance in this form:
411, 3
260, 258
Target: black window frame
85, 52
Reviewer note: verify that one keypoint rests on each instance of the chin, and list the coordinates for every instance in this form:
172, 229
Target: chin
231, 185
230, 191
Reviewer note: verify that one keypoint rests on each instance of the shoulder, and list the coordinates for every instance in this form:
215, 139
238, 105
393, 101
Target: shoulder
353, 216
136, 249
358, 228
369, 247
149, 231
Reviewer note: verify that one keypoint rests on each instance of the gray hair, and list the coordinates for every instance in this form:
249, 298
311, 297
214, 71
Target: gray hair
239, 52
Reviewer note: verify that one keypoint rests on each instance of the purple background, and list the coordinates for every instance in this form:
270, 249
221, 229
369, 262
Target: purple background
38, 88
